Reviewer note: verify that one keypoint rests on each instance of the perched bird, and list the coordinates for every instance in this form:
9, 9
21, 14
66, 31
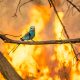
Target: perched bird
28, 36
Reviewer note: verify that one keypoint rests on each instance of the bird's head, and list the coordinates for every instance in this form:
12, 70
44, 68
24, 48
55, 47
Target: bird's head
32, 28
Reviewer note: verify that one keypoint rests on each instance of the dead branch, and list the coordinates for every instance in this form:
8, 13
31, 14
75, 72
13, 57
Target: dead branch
19, 7
51, 1
8, 40
73, 5
15, 14
7, 70
24, 4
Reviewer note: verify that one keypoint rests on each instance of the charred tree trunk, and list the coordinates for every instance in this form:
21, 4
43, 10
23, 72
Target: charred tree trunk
7, 70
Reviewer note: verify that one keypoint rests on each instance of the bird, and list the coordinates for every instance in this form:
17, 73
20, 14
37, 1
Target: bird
28, 36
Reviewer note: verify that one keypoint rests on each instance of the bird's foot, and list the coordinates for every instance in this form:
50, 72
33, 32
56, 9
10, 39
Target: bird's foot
33, 40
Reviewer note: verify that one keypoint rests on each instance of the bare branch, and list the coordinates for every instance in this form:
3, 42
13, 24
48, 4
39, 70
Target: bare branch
7, 70
51, 1
12, 35
19, 7
8, 40
15, 14
23, 5
73, 5
9, 34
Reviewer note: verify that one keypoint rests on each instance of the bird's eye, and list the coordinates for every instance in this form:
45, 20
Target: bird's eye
32, 27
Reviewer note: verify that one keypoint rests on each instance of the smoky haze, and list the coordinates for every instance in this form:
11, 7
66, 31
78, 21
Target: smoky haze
9, 24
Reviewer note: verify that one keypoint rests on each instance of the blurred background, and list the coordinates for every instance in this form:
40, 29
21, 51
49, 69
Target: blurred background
42, 62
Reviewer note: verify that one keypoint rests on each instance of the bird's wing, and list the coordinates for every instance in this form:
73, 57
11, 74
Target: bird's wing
26, 36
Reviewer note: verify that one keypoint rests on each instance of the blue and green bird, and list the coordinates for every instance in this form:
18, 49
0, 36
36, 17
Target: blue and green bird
28, 36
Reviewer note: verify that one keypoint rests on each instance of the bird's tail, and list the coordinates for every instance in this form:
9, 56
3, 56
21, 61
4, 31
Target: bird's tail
14, 49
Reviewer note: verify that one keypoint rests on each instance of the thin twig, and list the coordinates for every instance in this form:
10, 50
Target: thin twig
63, 27
12, 35
19, 6
9, 34
15, 14
24, 4
73, 5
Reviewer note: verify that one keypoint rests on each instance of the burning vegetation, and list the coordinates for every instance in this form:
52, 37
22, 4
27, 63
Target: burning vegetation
44, 62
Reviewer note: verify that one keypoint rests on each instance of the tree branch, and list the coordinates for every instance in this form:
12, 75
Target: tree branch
19, 7
8, 40
7, 70
15, 14
73, 5
51, 1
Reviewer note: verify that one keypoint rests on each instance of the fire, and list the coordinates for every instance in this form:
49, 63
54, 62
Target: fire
66, 68
36, 60
1, 77
24, 58
64, 51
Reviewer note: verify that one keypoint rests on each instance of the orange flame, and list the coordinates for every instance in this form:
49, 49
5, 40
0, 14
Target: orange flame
36, 60
1, 77
22, 58
66, 68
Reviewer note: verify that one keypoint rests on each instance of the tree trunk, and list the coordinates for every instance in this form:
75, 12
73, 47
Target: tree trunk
7, 70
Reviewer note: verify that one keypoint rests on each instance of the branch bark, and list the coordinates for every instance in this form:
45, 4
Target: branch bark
8, 40
7, 70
